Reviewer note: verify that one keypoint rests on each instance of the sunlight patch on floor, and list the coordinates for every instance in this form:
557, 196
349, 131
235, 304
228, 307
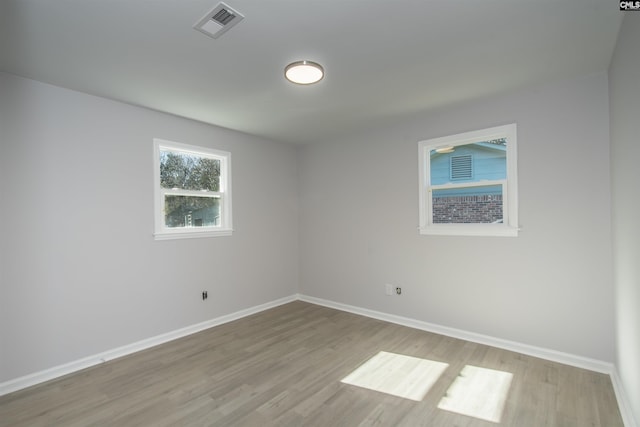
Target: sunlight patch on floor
479, 393
398, 375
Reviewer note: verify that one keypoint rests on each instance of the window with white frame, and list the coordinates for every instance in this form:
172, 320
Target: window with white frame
192, 191
468, 183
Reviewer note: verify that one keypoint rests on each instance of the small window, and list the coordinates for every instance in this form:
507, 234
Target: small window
192, 191
468, 183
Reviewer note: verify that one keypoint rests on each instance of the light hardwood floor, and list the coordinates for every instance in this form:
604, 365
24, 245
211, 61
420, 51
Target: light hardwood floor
283, 367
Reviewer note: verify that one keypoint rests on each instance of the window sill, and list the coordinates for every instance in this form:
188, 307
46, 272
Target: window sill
191, 234
470, 230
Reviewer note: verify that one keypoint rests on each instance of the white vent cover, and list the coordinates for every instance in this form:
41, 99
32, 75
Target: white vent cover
462, 167
219, 20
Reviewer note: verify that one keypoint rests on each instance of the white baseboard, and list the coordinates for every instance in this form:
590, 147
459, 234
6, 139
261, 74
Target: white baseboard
543, 353
67, 368
552, 355
623, 401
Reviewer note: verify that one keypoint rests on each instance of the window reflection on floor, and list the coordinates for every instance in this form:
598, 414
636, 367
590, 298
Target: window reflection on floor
478, 392
398, 375
475, 392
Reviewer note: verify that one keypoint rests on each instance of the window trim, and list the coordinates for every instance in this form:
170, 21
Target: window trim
161, 232
510, 187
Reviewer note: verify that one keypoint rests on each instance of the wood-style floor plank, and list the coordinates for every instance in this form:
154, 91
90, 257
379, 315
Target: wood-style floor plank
283, 367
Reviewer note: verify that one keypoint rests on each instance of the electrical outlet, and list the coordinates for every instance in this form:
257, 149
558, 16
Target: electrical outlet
204, 295
398, 290
388, 289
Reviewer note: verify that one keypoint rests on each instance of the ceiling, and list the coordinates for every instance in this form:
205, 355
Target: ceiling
383, 59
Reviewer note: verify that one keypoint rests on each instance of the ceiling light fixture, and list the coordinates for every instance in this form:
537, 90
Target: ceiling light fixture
445, 150
304, 72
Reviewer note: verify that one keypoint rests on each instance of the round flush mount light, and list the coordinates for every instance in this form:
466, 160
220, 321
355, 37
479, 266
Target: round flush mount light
445, 149
304, 72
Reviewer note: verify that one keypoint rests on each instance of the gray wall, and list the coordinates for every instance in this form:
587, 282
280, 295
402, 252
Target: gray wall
624, 84
81, 273
550, 287
80, 270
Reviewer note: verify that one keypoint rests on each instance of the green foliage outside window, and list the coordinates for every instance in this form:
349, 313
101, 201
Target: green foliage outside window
190, 172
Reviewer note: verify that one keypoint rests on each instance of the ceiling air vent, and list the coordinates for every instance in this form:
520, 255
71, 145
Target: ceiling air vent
219, 20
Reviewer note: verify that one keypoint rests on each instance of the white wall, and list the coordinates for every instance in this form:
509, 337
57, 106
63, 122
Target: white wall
81, 274
624, 83
80, 271
550, 287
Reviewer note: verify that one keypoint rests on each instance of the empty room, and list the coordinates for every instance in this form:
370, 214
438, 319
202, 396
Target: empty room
319, 213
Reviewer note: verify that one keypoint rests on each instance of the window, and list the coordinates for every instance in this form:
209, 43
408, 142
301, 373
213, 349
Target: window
192, 191
468, 183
